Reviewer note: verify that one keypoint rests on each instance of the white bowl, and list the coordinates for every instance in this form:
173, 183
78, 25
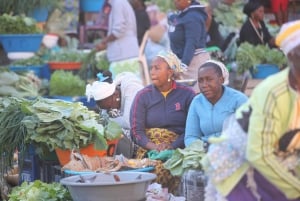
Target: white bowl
103, 187
50, 40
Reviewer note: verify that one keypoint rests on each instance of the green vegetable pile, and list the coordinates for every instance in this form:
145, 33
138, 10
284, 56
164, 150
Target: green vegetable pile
49, 124
66, 55
19, 85
187, 158
37, 191
18, 24
248, 56
32, 61
65, 83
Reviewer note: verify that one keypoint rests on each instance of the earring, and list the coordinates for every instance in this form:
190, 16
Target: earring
117, 99
169, 80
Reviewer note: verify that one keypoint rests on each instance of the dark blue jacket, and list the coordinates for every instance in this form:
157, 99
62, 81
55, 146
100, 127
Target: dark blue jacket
150, 109
189, 33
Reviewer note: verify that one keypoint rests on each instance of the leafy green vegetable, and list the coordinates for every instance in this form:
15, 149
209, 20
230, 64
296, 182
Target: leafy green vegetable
19, 85
184, 159
66, 55
37, 190
65, 83
248, 56
18, 24
32, 61
113, 130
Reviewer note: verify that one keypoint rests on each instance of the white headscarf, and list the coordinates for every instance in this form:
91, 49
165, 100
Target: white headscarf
99, 90
225, 73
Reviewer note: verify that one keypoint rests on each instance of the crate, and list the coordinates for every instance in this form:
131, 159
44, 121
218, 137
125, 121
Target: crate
29, 166
50, 171
192, 185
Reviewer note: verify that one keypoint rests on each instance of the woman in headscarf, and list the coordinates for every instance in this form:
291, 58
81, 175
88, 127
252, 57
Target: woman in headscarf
159, 112
266, 165
216, 101
254, 30
115, 97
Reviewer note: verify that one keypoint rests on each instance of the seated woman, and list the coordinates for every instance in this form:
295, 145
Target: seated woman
116, 96
209, 108
254, 30
158, 113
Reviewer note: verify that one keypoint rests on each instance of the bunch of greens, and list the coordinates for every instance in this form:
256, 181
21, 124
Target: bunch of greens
187, 158
65, 83
17, 85
248, 56
66, 56
18, 25
37, 190
32, 61
49, 124
13, 132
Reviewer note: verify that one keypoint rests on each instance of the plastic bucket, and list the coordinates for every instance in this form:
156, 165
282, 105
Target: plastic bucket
264, 70
91, 5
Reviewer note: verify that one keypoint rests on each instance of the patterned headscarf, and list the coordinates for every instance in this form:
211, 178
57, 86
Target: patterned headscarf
289, 36
225, 73
172, 60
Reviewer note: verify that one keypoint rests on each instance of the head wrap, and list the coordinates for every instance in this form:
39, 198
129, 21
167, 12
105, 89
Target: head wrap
251, 6
289, 36
225, 73
99, 90
171, 59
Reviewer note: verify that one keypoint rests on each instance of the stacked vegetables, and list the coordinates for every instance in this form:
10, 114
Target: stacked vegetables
184, 159
248, 56
12, 84
50, 124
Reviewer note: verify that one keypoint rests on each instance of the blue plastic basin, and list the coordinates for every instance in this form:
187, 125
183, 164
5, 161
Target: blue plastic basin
264, 70
21, 42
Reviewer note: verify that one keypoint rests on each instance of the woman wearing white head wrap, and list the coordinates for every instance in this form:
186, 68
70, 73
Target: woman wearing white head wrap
216, 101
268, 168
116, 98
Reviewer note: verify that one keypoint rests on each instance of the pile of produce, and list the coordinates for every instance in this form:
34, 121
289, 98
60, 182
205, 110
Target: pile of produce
18, 24
50, 124
32, 61
65, 83
187, 158
248, 56
19, 85
38, 190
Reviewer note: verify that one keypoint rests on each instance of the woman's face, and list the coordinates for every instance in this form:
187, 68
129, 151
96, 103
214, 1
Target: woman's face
210, 83
181, 4
105, 103
259, 13
160, 73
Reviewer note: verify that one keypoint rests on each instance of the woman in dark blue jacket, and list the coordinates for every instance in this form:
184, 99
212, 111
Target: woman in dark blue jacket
188, 35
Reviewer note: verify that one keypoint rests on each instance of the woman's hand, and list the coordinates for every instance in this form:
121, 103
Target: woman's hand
158, 147
101, 46
164, 146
